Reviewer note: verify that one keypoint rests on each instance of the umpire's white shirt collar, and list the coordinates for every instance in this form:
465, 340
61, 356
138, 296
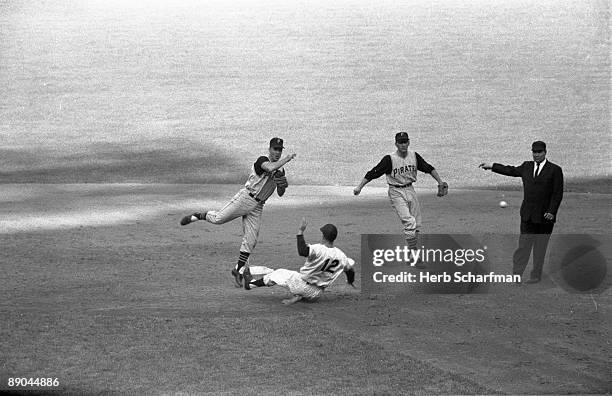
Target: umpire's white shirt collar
535, 164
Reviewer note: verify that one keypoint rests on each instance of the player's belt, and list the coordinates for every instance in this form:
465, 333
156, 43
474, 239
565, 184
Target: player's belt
255, 198
402, 186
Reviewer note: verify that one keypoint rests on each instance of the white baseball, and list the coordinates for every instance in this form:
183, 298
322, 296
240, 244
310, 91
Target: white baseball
503, 204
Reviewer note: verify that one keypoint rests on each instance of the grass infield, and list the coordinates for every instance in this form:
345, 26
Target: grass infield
104, 290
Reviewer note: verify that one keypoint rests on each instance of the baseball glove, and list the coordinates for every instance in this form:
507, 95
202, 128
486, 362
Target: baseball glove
442, 189
281, 181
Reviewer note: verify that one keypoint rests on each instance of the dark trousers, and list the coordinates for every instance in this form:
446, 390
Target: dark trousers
534, 236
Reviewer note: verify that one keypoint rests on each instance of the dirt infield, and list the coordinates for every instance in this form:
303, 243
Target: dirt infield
103, 290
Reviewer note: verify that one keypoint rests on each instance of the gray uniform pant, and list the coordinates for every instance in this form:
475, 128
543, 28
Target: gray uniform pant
404, 201
245, 206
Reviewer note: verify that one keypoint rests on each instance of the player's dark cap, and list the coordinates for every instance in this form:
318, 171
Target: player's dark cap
402, 137
276, 143
538, 146
330, 232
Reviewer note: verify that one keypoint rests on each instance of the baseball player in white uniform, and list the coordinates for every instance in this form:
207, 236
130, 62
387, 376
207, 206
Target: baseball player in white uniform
324, 264
401, 168
267, 175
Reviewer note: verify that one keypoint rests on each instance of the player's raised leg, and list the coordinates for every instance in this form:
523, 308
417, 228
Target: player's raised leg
240, 205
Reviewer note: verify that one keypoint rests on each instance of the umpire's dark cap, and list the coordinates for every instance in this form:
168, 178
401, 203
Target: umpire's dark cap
538, 146
330, 232
401, 137
276, 143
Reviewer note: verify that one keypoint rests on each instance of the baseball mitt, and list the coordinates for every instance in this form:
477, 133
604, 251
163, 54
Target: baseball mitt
442, 189
281, 181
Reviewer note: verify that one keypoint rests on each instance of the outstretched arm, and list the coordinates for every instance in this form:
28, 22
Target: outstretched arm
384, 166
350, 276
435, 175
357, 190
270, 166
302, 247
423, 166
506, 170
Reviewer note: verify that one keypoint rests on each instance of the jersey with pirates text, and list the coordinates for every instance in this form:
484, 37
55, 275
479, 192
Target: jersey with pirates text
400, 171
324, 265
403, 170
261, 183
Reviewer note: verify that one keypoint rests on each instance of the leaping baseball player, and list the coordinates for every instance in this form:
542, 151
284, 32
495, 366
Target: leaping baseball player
324, 264
267, 175
401, 169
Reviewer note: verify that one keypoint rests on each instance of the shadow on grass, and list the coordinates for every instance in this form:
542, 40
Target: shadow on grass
116, 163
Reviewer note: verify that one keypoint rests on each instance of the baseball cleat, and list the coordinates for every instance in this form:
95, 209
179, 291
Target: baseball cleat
246, 275
193, 217
237, 277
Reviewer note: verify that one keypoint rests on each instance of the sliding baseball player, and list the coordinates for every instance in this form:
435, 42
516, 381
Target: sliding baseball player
324, 264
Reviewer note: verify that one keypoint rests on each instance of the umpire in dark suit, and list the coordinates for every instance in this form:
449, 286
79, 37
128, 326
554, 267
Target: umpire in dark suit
543, 191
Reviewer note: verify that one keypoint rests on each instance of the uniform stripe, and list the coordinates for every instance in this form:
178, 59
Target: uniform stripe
242, 259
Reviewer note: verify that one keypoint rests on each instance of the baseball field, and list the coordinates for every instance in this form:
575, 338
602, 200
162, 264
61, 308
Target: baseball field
106, 292
117, 118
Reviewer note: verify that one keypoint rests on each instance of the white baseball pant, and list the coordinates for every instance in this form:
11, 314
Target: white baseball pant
291, 280
245, 206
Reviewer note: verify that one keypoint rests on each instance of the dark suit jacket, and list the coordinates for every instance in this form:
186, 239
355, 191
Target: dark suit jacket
542, 194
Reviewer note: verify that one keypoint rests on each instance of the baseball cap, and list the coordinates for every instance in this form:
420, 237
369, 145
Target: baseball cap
330, 232
538, 146
401, 137
276, 143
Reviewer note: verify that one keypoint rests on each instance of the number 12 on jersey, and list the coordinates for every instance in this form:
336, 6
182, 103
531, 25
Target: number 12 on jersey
330, 265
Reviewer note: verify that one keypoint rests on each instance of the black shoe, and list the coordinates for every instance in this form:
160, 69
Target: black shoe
237, 277
187, 219
419, 264
532, 280
246, 275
